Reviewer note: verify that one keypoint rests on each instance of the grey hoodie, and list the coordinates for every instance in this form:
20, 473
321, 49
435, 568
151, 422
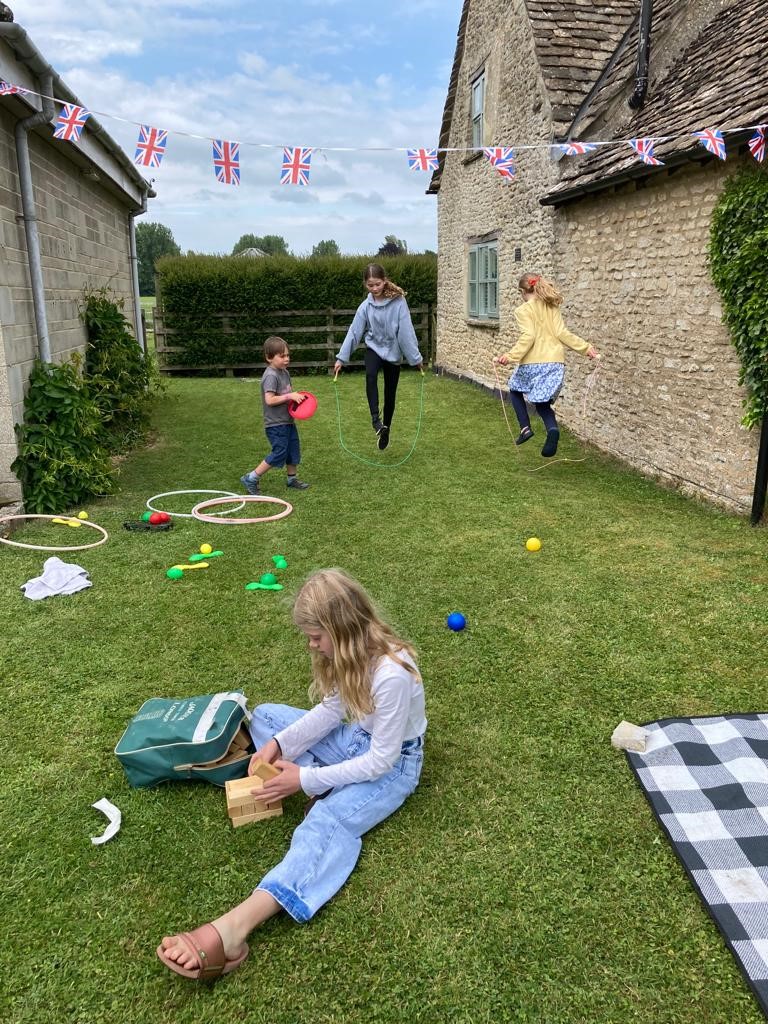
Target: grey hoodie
385, 326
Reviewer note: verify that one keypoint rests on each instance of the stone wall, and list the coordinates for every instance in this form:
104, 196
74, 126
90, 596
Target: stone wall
474, 201
84, 240
632, 266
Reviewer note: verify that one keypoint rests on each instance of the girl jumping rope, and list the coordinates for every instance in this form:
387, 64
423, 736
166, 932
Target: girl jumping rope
540, 355
357, 754
383, 322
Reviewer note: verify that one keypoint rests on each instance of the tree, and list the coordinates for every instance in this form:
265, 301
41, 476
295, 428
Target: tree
393, 246
272, 245
326, 248
152, 242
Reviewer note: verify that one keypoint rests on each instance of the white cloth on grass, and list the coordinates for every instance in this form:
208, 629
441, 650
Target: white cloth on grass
58, 578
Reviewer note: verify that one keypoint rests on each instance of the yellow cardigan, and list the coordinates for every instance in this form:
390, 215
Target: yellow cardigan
542, 335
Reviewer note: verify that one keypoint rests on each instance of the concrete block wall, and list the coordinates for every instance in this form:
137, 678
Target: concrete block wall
84, 241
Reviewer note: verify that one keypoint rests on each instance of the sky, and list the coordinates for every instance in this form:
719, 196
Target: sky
319, 73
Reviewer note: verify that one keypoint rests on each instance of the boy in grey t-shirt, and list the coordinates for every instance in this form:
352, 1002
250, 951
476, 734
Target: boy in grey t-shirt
276, 393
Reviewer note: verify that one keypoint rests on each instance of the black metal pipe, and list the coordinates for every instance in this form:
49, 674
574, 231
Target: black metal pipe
761, 475
637, 98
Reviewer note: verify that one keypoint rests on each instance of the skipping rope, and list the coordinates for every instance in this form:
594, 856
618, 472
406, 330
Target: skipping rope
588, 385
370, 462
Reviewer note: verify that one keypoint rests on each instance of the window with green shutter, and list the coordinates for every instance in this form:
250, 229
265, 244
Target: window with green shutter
483, 277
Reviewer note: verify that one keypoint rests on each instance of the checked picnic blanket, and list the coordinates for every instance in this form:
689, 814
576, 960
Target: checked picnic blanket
706, 780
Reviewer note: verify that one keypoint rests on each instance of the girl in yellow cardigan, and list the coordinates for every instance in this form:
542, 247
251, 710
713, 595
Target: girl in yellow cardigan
540, 355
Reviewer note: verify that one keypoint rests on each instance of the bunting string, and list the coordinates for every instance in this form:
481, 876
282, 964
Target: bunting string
152, 143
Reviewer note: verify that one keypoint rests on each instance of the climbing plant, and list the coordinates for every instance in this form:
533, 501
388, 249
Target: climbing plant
738, 258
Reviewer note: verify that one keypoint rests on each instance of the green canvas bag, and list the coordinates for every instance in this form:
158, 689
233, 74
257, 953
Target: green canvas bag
190, 738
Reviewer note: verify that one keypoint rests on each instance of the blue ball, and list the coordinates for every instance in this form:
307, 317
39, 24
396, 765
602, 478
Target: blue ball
456, 621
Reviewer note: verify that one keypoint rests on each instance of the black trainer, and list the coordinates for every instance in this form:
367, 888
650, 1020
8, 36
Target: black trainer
383, 438
376, 423
550, 445
525, 435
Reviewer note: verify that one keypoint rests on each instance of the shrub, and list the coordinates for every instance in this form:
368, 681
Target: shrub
194, 290
737, 255
62, 458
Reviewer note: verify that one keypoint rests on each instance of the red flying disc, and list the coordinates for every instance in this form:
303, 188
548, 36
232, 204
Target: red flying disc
304, 410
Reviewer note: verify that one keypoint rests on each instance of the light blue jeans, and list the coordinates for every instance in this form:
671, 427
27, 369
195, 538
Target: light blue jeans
326, 845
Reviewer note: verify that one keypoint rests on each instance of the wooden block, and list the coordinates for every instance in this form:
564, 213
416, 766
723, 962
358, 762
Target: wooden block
240, 799
627, 736
265, 771
246, 819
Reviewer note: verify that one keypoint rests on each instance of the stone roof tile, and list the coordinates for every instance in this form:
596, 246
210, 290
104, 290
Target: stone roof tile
719, 81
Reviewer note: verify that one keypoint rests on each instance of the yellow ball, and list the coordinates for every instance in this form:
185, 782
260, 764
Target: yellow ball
205, 549
533, 544
82, 515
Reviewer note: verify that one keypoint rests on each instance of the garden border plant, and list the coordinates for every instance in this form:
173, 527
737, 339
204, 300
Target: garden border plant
79, 412
737, 257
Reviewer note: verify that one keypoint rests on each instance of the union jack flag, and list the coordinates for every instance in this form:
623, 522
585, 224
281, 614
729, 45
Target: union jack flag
644, 149
295, 170
150, 148
71, 122
226, 161
6, 89
757, 143
502, 158
576, 148
712, 140
422, 159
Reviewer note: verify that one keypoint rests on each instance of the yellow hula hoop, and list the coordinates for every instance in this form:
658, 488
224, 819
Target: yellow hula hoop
42, 547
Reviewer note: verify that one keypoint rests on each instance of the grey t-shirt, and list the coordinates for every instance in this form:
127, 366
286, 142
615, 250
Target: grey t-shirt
279, 382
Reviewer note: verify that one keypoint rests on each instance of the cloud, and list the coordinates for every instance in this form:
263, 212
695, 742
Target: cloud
372, 199
297, 194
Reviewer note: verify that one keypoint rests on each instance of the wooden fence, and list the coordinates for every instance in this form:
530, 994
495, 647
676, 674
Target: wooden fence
314, 336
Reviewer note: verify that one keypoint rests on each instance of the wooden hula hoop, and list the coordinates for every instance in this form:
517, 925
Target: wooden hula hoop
41, 547
241, 522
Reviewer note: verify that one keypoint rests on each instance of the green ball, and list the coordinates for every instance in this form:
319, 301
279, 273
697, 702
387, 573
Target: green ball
145, 516
268, 579
175, 574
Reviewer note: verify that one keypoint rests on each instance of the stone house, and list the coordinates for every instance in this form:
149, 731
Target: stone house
66, 221
625, 241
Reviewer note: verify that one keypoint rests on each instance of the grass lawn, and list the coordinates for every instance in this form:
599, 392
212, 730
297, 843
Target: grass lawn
526, 880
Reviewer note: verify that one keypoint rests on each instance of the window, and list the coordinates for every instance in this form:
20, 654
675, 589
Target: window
484, 281
478, 110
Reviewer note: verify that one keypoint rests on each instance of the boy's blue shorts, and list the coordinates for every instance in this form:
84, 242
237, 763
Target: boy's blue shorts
284, 439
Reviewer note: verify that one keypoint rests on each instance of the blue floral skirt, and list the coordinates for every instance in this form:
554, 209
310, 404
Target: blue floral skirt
539, 382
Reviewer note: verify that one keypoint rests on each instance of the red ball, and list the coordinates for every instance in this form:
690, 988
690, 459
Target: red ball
155, 518
164, 517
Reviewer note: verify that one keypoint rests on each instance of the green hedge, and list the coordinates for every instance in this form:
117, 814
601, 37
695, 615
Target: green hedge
192, 290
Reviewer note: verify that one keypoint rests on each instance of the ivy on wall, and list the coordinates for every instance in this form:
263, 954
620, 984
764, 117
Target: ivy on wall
738, 258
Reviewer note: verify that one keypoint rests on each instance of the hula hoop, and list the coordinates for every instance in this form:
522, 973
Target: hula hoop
196, 514
42, 547
199, 490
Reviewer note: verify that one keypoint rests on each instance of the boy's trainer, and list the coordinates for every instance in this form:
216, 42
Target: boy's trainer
252, 486
298, 485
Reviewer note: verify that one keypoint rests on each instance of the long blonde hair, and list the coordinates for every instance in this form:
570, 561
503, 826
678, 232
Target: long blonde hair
332, 601
541, 288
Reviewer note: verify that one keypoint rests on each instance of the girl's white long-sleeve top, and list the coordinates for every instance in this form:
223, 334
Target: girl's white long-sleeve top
398, 715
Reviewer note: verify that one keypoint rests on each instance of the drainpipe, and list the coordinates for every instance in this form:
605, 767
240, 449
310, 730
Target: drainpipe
135, 272
29, 211
761, 476
637, 98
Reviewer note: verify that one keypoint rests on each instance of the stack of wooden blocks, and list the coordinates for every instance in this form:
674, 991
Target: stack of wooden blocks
242, 806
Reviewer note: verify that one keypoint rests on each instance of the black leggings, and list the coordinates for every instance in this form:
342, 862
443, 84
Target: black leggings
544, 409
391, 371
